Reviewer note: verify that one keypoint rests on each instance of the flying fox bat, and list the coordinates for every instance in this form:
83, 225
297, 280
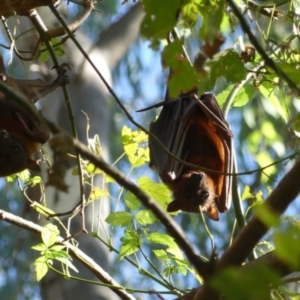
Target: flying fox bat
195, 131
20, 134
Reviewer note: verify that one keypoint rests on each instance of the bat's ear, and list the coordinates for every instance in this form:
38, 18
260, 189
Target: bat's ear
212, 213
32, 165
173, 206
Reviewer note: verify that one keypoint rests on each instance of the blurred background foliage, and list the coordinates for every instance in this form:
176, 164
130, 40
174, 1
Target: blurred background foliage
264, 119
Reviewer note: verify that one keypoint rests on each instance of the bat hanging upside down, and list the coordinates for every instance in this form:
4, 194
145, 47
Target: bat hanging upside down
195, 131
20, 134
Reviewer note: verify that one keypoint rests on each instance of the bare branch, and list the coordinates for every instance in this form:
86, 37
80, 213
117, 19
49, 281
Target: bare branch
74, 251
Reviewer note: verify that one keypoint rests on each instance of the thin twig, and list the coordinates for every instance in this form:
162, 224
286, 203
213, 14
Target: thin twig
44, 36
268, 60
74, 251
203, 268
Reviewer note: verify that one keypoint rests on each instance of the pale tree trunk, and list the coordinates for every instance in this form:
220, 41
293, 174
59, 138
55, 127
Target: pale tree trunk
87, 95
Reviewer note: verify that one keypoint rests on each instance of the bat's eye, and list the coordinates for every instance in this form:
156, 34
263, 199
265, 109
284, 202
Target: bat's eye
204, 195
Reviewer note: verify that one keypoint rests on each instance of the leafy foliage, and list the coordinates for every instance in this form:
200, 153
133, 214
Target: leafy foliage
50, 251
265, 120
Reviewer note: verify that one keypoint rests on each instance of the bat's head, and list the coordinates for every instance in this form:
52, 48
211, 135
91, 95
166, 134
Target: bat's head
195, 191
14, 157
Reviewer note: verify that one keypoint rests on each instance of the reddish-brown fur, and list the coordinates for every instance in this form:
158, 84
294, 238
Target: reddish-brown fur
203, 148
20, 134
20, 137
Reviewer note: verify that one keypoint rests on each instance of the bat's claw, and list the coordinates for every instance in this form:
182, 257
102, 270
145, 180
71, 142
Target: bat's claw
62, 74
62, 77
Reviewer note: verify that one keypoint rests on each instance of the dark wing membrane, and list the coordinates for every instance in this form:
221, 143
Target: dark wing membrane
170, 128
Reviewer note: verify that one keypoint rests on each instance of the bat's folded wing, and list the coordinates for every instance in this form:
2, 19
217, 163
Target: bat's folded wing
170, 128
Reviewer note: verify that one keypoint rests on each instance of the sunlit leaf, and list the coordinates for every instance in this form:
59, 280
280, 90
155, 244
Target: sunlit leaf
247, 193
39, 247
157, 191
136, 155
145, 217
97, 193
131, 201
119, 218
242, 97
162, 238
130, 243
49, 234
41, 268
267, 90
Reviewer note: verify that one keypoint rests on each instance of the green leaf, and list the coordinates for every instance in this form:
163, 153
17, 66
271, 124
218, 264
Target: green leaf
227, 64
39, 247
24, 175
161, 238
58, 248
287, 246
231, 283
247, 193
157, 191
41, 268
137, 155
68, 263
242, 97
183, 77
131, 201
42, 209
268, 91
44, 57
58, 49
108, 179
165, 239
161, 254
290, 69
89, 168
131, 243
97, 193
49, 234
119, 218
212, 12
189, 13
33, 181
58, 254
160, 18
145, 217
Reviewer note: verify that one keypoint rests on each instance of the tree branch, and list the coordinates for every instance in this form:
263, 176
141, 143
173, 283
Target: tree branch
285, 192
268, 60
203, 268
74, 251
